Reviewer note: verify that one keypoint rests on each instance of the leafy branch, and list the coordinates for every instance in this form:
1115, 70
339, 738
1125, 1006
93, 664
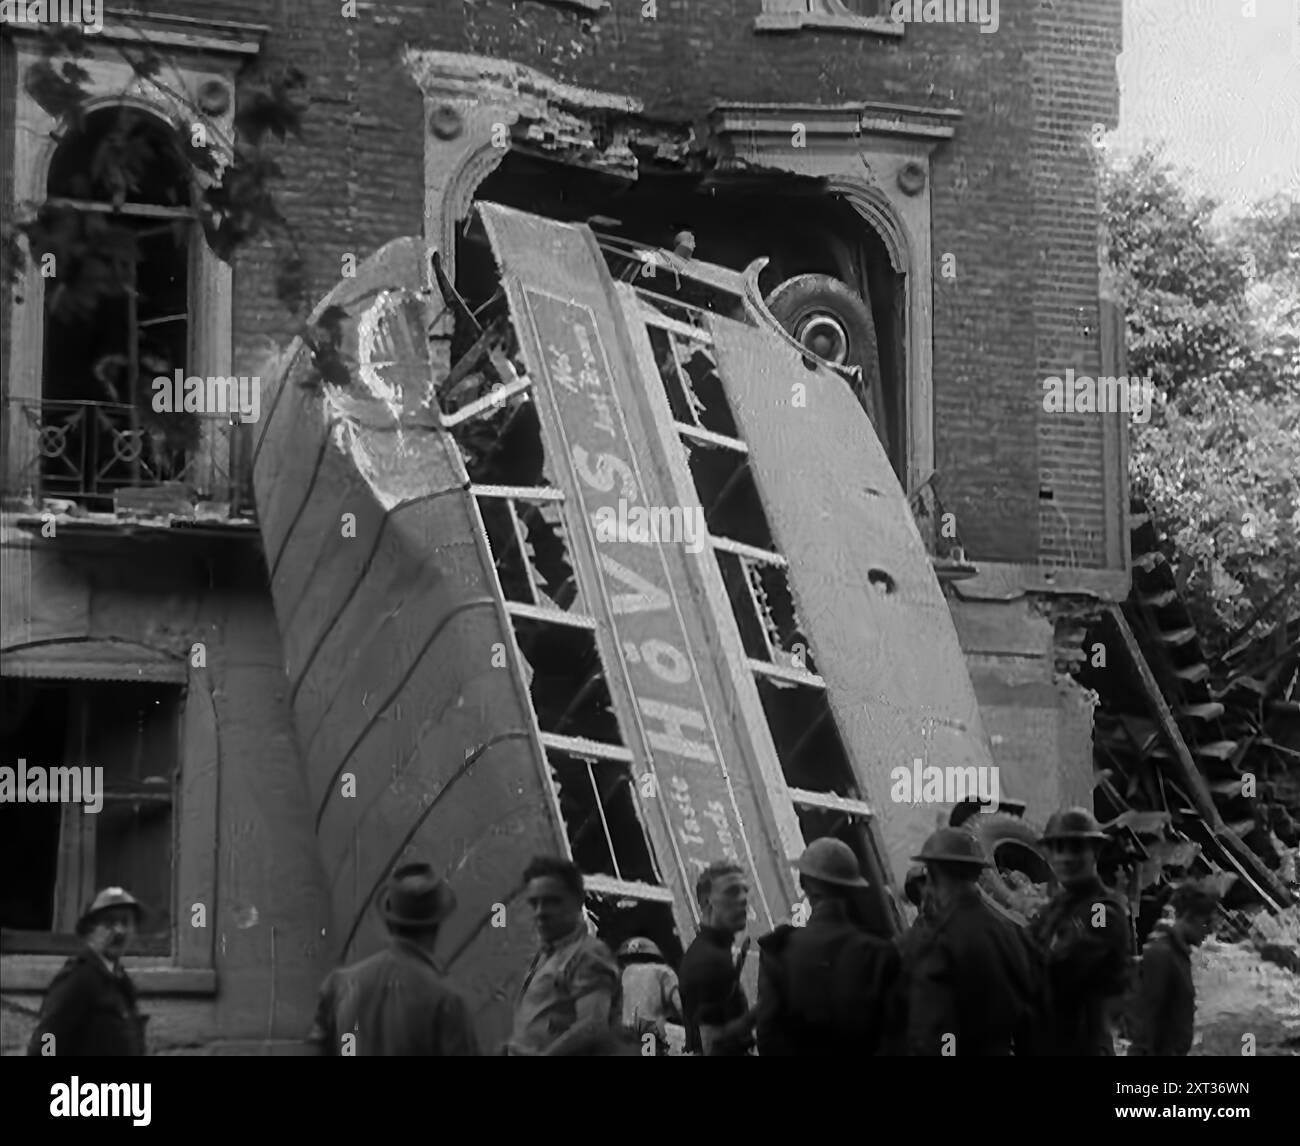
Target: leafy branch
232, 176
1214, 321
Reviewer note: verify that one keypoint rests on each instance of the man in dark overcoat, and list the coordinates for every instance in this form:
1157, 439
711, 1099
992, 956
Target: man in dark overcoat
90, 1009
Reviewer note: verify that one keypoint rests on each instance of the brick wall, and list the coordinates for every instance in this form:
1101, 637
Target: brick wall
1014, 195
1075, 88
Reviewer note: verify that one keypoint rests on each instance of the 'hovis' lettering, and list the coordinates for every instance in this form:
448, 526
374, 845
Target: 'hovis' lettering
675, 718
647, 598
602, 478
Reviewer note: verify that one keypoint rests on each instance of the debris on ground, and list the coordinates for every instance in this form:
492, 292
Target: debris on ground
1239, 993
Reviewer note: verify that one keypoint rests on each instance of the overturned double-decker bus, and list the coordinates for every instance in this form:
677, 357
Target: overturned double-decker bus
630, 580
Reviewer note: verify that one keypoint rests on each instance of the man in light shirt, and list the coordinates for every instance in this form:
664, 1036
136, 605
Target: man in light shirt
651, 995
572, 988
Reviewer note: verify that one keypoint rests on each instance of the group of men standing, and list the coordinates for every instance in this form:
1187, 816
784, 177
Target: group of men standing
965, 979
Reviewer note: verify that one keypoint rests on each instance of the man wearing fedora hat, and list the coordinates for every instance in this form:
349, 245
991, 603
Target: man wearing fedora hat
90, 1009
968, 977
1085, 938
397, 1002
823, 988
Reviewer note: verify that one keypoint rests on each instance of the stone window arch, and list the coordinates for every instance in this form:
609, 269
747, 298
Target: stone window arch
204, 58
117, 313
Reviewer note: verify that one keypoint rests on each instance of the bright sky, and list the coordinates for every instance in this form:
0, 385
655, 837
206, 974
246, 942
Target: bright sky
1220, 86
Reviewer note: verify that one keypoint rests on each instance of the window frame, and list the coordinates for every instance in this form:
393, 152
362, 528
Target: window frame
201, 459
201, 52
189, 968
76, 879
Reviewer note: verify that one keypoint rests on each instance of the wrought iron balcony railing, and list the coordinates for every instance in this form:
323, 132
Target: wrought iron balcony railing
89, 453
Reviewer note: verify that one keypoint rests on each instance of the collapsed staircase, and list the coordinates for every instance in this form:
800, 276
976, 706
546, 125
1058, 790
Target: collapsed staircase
1204, 768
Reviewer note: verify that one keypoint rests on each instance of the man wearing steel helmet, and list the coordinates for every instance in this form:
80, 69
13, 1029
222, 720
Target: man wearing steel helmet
90, 1009
651, 995
968, 973
1085, 937
823, 987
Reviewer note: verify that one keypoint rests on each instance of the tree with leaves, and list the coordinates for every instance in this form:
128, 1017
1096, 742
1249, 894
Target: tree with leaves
1213, 311
233, 176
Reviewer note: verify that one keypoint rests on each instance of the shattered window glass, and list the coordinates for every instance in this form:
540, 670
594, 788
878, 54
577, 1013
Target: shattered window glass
569, 690
690, 377
602, 817
530, 548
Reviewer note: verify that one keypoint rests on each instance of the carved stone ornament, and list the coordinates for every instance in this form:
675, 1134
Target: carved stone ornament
214, 98
911, 178
445, 122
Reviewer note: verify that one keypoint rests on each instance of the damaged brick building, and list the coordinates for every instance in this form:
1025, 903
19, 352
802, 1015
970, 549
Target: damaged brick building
946, 176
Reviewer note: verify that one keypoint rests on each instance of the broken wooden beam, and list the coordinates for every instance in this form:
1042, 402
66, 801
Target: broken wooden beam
451, 297
472, 359
1243, 856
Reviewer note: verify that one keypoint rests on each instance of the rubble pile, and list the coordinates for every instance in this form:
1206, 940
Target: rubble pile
1277, 938
1240, 993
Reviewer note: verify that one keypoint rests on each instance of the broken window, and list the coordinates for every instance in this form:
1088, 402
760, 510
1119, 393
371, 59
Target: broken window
726, 489
620, 918
117, 315
807, 742
66, 851
690, 377
567, 680
602, 818
759, 589
530, 548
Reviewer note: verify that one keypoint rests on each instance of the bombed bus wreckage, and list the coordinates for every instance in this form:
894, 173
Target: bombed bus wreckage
519, 648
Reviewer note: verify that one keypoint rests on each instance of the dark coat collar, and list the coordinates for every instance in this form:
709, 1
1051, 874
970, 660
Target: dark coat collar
405, 947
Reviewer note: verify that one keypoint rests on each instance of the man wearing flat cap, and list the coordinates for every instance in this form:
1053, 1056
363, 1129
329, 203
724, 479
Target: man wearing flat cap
90, 1009
397, 1002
